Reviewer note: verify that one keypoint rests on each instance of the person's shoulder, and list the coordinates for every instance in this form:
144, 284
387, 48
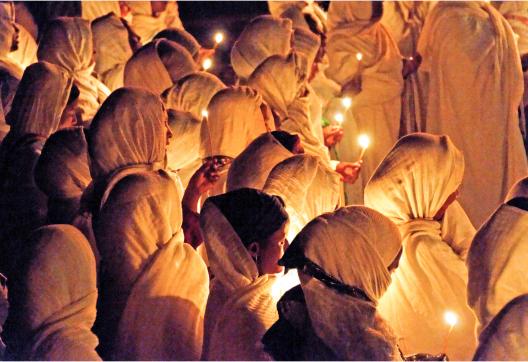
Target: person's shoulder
138, 185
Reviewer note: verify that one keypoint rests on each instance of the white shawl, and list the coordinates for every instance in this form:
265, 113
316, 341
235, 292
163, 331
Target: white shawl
147, 25
410, 186
458, 87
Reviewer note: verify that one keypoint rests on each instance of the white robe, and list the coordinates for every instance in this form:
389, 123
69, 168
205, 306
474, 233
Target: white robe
475, 88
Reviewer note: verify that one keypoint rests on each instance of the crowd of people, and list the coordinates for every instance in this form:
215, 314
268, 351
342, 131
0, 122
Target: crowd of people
151, 210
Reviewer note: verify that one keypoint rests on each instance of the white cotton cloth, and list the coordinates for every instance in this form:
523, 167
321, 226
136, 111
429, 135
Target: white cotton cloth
308, 187
67, 42
263, 37
496, 263
92, 10
241, 307
282, 83
410, 186
252, 167
506, 336
112, 50
458, 88
54, 299
355, 245
519, 189
375, 83
516, 13
146, 69
147, 25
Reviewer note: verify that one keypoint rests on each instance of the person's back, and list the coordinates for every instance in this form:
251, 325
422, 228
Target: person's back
475, 89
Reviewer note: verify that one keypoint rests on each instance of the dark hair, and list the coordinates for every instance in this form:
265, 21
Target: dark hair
286, 139
519, 202
74, 94
253, 214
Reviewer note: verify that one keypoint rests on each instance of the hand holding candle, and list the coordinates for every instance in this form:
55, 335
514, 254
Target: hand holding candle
364, 143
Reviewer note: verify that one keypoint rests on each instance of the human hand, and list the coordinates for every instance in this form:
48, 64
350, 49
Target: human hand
332, 135
202, 181
191, 228
349, 171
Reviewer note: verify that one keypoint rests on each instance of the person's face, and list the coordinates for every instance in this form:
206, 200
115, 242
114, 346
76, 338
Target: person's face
169, 132
271, 250
68, 117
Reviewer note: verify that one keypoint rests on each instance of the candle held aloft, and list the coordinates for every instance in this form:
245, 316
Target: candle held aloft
346, 102
339, 118
205, 114
218, 38
359, 57
207, 63
364, 143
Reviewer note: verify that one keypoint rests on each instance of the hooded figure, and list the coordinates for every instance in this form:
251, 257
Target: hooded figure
505, 337
112, 50
242, 305
308, 187
183, 38
489, 135
263, 37
186, 101
53, 298
158, 65
37, 109
145, 266
235, 118
496, 263
67, 42
252, 167
413, 186
343, 259
148, 21
282, 83
366, 63
92, 10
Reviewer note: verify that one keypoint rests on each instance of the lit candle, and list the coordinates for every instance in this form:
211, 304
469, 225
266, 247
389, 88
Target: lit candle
346, 102
207, 63
218, 38
339, 118
359, 56
364, 142
451, 319
205, 114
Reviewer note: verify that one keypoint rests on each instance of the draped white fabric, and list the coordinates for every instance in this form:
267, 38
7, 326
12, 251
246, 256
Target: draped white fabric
147, 25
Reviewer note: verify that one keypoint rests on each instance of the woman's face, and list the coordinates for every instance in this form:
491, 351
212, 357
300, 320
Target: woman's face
272, 250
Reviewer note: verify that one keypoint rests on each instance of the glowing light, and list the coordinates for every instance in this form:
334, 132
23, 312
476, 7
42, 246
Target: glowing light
218, 38
339, 118
205, 114
451, 318
359, 57
411, 58
207, 64
364, 143
346, 102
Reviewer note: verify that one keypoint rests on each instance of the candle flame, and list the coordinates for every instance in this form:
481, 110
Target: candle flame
339, 118
346, 102
364, 141
207, 63
218, 38
451, 318
205, 114
359, 56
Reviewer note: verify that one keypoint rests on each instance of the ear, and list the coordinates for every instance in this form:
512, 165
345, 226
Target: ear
253, 249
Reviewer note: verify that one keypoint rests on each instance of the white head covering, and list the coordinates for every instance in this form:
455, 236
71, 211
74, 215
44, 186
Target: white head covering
68, 42
410, 186
54, 298
252, 167
519, 189
235, 119
306, 44
192, 93
40, 100
184, 147
496, 262
129, 129
92, 10
505, 337
241, 307
147, 69
182, 37
112, 49
7, 27
263, 37
354, 245
308, 187
146, 24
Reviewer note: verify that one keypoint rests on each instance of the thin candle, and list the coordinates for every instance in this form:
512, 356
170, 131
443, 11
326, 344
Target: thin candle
451, 319
205, 114
364, 143
359, 56
207, 64
218, 38
339, 118
346, 102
